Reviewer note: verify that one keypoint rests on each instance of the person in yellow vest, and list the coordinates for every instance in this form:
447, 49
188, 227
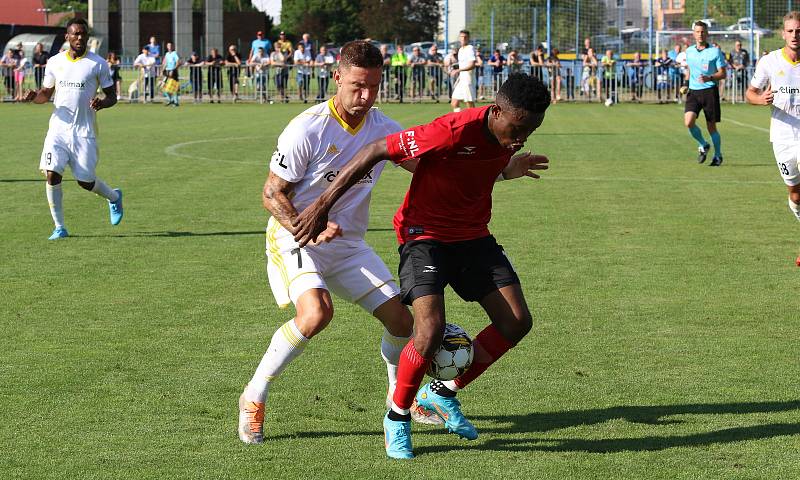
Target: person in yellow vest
399, 62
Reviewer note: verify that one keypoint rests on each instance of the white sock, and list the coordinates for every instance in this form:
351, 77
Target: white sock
457, 109
286, 345
795, 208
451, 384
391, 347
401, 411
104, 191
55, 198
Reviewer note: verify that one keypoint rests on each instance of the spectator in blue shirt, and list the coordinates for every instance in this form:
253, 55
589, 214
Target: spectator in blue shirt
259, 42
154, 50
170, 70
497, 61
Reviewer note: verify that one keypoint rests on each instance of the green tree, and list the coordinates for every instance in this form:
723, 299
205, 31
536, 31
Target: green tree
401, 20
326, 20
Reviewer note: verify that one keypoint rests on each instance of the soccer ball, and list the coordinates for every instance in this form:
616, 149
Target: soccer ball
454, 355
609, 102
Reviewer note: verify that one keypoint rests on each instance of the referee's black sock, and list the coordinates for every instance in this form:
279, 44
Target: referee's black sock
438, 388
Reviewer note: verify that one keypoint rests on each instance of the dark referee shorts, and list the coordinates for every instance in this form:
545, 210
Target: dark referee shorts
706, 100
474, 268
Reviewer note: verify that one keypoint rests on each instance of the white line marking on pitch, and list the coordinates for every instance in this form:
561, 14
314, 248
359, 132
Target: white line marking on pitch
658, 180
760, 129
173, 150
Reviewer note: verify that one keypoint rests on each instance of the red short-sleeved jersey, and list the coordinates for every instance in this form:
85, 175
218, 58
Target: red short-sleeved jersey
450, 197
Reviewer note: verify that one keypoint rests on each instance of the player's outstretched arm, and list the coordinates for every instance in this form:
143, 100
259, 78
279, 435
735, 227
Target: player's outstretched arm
756, 96
525, 165
314, 220
41, 96
109, 101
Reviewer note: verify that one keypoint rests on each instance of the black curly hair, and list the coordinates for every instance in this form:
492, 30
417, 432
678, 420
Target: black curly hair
524, 92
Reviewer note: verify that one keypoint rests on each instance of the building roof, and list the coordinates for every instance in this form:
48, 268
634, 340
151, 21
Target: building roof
24, 12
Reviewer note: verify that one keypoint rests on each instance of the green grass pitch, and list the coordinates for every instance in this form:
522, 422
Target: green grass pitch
664, 293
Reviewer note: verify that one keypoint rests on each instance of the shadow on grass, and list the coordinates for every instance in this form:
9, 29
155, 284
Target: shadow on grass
172, 234
650, 415
169, 234
21, 180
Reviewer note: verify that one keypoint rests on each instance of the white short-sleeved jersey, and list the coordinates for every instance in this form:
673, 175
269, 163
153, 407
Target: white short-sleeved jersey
783, 77
466, 54
312, 150
76, 83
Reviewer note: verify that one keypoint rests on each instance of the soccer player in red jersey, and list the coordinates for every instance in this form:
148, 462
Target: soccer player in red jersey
442, 227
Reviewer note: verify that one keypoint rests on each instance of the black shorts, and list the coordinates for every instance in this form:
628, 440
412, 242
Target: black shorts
706, 100
474, 268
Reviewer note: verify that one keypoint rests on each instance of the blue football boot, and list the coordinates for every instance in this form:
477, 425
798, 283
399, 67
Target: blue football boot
397, 436
59, 232
115, 209
449, 410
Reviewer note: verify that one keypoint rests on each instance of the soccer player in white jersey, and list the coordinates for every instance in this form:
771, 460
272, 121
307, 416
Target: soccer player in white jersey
75, 75
311, 151
776, 82
464, 88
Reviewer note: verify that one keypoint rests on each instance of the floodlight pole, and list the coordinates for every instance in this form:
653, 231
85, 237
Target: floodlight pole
752, 21
446, 26
491, 30
705, 9
549, 11
577, 27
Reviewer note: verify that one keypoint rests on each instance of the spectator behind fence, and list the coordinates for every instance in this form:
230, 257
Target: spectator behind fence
589, 83
664, 66
739, 61
386, 72
479, 78
587, 44
214, 61
8, 63
40, 58
324, 63
537, 61
636, 76
435, 66
721, 82
196, 76
680, 60
259, 42
308, 46
498, 63
147, 73
113, 65
277, 60
675, 75
285, 47
399, 62
233, 63
302, 61
172, 61
260, 65
553, 65
450, 65
609, 88
154, 50
417, 61
19, 75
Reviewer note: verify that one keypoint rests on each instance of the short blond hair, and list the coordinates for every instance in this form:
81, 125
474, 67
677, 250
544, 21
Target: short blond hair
793, 15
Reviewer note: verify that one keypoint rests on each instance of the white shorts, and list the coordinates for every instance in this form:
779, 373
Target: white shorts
80, 153
786, 154
464, 87
349, 269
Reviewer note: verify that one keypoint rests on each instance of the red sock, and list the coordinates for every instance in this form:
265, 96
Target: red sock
489, 345
410, 370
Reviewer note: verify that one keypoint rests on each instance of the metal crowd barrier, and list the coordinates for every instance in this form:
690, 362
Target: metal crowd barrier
569, 81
